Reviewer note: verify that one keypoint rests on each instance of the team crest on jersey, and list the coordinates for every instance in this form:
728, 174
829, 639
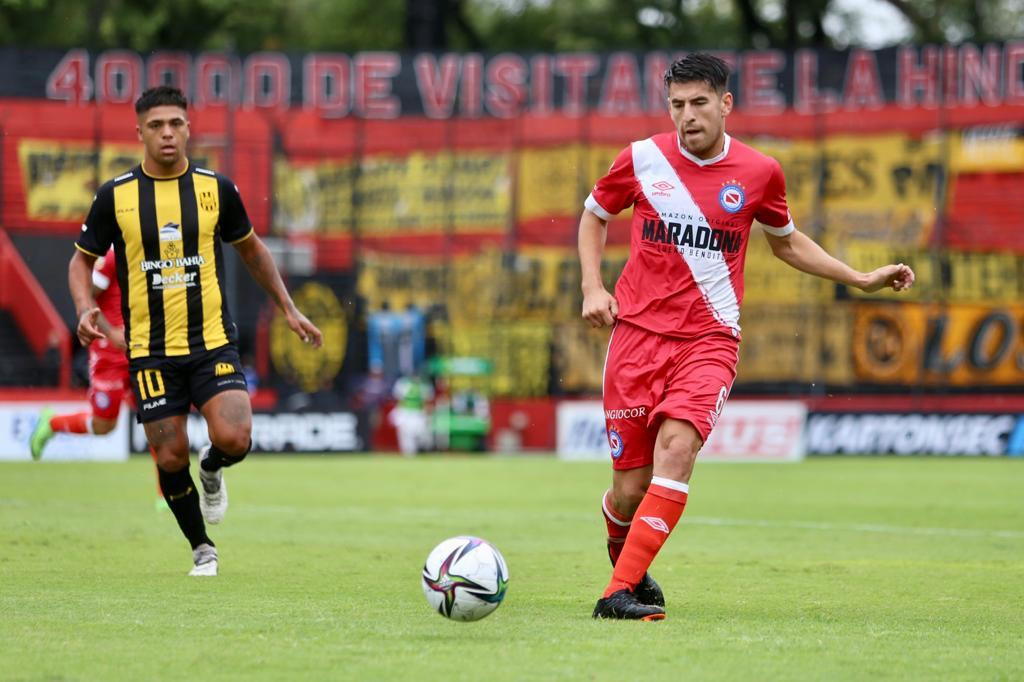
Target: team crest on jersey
208, 200
615, 442
732, 197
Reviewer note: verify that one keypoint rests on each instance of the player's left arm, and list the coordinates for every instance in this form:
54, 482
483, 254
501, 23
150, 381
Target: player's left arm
803, 253
261, 266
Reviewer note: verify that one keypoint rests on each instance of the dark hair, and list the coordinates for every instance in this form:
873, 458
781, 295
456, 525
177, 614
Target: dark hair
699, 66
161, 95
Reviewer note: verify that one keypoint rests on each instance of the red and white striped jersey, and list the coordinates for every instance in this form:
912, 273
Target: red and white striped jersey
691, 224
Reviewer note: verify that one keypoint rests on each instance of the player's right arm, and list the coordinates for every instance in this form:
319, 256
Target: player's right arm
100, 283
599, 306
93, 241
612, 193
80, 284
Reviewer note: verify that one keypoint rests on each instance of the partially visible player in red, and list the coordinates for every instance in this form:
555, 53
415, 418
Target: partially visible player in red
108, 369
672, 355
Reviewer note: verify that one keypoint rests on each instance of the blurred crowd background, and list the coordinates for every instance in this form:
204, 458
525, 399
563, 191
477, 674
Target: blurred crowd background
418, 169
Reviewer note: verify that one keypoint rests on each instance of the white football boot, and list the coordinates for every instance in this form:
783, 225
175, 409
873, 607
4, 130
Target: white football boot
213, 498
204, 559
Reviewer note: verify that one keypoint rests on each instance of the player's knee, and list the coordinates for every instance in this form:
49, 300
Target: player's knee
675, 455
233, 442
101, 426
170, 458
628, 495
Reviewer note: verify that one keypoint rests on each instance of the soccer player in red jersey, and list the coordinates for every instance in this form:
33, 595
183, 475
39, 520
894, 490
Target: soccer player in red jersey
108, 368
108, 371
695, 192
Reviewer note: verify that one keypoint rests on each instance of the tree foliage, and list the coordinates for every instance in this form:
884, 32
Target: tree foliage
354, 25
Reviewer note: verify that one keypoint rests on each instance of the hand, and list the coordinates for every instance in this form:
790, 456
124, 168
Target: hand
116, 338
305, 329
87, 329
898, 277
600, 308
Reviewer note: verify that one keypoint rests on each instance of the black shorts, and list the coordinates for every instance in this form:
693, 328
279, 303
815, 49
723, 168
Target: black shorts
168, 386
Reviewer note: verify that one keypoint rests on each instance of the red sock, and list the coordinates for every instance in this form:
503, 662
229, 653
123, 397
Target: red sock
71, 423
618, 528
656, 516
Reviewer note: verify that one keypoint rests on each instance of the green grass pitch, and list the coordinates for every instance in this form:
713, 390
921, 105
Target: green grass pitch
861, 569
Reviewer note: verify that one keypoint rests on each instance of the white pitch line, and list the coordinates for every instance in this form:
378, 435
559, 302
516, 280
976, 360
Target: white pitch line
418, 512
860, 527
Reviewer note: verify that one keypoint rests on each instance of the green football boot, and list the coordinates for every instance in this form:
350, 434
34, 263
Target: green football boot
42, 434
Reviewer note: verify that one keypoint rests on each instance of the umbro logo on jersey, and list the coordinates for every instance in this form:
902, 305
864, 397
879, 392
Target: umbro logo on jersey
656, 523
662, 188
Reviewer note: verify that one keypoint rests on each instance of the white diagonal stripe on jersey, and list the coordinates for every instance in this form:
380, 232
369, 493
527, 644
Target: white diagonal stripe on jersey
711, 276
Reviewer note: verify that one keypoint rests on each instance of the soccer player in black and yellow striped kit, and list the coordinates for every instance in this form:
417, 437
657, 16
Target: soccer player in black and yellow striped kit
166, 220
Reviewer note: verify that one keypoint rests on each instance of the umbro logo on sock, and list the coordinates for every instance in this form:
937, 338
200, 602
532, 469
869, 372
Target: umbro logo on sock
656, 523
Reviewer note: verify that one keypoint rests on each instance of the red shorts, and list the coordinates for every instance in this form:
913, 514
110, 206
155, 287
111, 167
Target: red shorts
108, 383
649, 377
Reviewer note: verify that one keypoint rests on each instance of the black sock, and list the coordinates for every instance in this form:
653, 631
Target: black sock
183, 499
217, 458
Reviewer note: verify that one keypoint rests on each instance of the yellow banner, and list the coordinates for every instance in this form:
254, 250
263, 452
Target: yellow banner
385, 194
864, 186
60, 177
805, 343
988, 149
520, 353
578, 357
956, 345
951, 276
540, 283
400, 281
554, 181
766, 279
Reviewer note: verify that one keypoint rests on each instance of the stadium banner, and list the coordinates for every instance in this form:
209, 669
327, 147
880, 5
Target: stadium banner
747, 431
939, 345
758, 431
295, 366
18, 420
865, 186
914, 433
808, 342
962, 276
59, 177
522, 425
440, 85
386, 194
278, 432
988, 149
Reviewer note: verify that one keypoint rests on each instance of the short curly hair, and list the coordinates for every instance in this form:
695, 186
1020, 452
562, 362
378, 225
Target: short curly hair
161, 95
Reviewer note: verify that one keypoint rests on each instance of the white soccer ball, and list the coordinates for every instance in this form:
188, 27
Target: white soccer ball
465, 578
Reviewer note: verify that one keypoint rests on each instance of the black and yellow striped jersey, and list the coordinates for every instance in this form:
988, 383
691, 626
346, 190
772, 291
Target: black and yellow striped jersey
167, 235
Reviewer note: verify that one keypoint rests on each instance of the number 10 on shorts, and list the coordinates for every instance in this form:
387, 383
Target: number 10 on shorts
150, 382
